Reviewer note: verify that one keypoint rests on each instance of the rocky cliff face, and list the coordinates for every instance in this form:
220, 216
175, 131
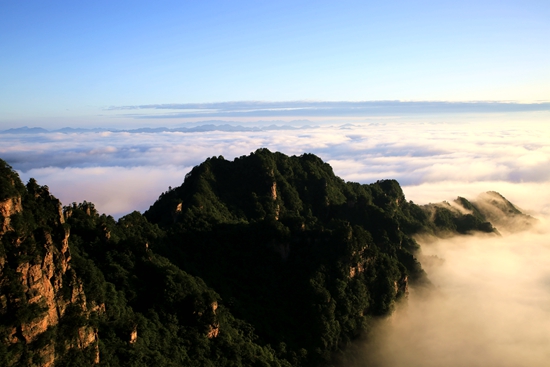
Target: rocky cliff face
9, 207
40, 294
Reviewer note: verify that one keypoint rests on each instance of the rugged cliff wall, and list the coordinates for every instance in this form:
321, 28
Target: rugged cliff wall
43, 308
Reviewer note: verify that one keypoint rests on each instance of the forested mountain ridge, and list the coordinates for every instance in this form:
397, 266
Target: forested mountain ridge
266, 260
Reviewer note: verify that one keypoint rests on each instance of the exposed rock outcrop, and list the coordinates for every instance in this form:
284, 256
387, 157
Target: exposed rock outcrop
214, 327
133, 335
9, 207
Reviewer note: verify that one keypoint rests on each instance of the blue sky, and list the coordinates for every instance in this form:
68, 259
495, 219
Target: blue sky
64, 63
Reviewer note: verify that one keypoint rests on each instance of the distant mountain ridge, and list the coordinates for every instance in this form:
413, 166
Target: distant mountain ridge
265, 260
488, 212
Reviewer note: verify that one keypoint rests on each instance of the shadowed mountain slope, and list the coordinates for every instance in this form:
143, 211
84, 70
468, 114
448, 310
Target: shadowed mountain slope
303, 256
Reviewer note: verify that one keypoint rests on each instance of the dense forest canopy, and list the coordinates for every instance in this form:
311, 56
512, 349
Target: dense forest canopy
266, 260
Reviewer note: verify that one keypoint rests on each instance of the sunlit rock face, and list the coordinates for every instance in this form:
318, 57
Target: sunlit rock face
9, 207
40, 292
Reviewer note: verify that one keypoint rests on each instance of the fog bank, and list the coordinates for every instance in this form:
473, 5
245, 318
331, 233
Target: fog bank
491, 307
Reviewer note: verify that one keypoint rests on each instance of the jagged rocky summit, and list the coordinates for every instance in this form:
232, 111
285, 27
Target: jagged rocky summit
266, 260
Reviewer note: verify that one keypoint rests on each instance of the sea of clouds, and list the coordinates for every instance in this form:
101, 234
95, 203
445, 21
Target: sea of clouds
123, 171
491, 306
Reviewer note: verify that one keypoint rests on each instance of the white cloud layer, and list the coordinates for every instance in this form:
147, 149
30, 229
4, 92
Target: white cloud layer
450, 159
